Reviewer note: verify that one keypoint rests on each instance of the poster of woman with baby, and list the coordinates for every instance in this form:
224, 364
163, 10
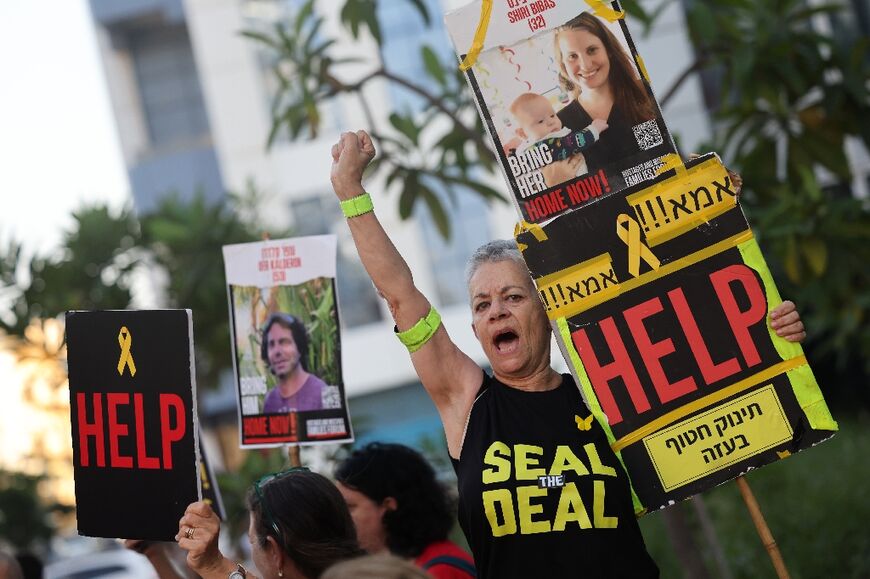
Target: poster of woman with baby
569, 109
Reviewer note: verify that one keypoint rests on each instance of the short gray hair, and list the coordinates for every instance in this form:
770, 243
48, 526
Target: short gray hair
492, 252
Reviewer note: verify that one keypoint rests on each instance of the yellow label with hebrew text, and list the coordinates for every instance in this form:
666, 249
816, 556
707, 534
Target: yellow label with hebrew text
718, 438
680, 204
575, 289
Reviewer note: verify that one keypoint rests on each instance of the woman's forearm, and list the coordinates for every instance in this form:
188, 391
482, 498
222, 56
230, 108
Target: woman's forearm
382, 261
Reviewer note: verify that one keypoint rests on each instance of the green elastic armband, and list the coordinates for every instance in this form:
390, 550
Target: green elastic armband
356, 206
416, 336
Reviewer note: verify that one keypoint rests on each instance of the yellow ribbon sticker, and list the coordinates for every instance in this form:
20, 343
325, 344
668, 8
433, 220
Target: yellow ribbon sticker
629, 232
125, 339
603, 10
479, 36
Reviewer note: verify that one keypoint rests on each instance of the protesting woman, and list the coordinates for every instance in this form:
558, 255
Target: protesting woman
506, 430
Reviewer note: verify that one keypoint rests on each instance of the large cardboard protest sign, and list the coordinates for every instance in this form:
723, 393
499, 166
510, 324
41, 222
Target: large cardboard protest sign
536, 60
286, 346
647, 268
134, 434
660, 297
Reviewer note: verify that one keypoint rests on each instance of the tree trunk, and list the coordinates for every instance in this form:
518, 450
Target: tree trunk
683, 541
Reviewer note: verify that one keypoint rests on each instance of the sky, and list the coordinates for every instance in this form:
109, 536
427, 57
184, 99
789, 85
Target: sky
59, 147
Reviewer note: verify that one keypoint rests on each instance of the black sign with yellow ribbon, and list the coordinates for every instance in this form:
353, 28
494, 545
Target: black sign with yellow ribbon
660, 298
134, 432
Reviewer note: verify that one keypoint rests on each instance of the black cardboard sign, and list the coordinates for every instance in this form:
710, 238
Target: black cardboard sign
661, 297
134, 432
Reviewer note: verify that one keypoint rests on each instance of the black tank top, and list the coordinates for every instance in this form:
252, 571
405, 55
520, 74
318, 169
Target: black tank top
538, 496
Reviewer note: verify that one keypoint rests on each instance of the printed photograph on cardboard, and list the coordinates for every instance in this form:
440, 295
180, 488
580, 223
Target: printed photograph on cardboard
289, 364
286, 341
285, 334
570, 114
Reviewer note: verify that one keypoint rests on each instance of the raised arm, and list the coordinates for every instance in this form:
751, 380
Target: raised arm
450, 377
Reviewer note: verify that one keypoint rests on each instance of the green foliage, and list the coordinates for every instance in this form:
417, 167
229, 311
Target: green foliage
816, 504
790, 96
25, 520
184, 238
91, 271
442, 148
95, 265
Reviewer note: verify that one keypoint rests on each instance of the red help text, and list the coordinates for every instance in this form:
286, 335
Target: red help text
602, 373
105, 428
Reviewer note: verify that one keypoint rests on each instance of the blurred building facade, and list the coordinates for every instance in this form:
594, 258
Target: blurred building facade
192, 98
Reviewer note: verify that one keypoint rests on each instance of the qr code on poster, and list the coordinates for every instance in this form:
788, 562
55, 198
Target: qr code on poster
648, 135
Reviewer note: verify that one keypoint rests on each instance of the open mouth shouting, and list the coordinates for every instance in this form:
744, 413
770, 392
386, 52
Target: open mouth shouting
506, 341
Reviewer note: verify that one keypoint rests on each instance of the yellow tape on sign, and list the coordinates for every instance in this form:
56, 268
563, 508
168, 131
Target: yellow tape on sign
672, 161
673, 207
577, 306
479, 36
708, 400
718, 438
536, 230
802, 379
810, 398
588, 283
603, 10
642, 67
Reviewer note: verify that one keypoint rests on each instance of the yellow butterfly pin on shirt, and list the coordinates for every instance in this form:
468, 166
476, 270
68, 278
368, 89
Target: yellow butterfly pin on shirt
583, 424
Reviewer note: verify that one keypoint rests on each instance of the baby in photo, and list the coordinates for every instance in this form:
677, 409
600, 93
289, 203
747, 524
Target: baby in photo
538, 123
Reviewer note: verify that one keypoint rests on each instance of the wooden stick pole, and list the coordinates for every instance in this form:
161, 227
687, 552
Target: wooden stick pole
761, 526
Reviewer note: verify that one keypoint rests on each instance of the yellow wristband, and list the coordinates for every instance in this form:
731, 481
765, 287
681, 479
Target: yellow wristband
417, 335
356, 206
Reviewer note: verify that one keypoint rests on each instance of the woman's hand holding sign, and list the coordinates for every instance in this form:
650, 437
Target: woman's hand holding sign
785, 320
198, 532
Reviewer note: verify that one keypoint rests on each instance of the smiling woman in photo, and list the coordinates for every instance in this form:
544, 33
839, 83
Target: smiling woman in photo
600, 76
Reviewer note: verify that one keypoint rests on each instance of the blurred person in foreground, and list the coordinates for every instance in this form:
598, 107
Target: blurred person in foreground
399, 506
381, 566
507, 430
299, 526
166, 558
9, 567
